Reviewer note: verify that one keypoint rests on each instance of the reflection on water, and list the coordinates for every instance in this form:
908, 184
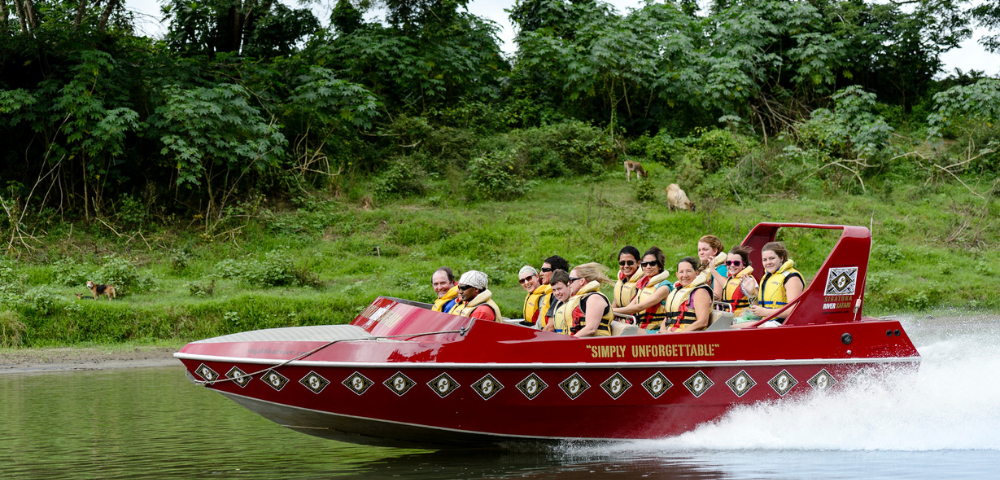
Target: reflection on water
153, 423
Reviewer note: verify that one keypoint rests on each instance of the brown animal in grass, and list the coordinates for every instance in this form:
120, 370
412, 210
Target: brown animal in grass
79, 296
98, 290
676, 198
636, 167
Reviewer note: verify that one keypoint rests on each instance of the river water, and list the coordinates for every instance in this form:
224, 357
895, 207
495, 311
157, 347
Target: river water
942, 422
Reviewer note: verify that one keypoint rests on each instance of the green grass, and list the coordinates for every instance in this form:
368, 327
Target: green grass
922, 258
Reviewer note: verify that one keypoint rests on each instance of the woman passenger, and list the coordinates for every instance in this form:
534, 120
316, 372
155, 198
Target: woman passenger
710, 247
628, 274
689, 308
651, 289
588, 311
781, 284
736, 263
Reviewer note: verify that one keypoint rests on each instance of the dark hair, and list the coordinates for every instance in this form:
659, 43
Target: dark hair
629, 250
657, 253
557, 263
743, 252
692, 260
559, 275
778, 248
447, 271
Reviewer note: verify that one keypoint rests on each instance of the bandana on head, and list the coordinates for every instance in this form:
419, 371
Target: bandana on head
527, 269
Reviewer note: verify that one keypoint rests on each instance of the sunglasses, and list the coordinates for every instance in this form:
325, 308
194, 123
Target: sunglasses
524, 280
462, 288
626, 262
546, 269
648, 264
735, 263
573, 279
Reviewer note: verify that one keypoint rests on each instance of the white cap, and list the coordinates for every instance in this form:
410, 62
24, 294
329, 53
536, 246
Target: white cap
474, 279
527, 269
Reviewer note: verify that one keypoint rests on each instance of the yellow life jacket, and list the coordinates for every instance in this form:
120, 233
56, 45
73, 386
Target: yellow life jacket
576, 319
682, 297
772, 286
625, 289
563, 316
733, 286
483, 298
651, 319
536, 304
439, 303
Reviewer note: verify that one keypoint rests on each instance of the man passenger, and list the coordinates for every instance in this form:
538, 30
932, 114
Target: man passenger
536, 303
551, 264
443, 281
475, 299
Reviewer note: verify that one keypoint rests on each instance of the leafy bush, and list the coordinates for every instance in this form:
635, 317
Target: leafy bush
645, 191
179, 259
11, 329
38, 301
132, 213
275, 270
11, 285
493, 176
721, 148
571, 147
124, 275
972, 111
403, 178
70, 273
201, 289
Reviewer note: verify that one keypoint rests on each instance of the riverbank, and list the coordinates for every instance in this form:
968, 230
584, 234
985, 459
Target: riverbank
63, 359
323, 260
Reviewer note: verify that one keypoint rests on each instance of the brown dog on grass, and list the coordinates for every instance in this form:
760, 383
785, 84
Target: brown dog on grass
98, 290
636, 167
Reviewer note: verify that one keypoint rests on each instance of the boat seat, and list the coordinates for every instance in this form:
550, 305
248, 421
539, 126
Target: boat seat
724, 321
622, 328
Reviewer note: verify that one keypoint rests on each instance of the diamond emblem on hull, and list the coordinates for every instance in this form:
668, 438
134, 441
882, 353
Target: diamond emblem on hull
741, 383
783, 382
531, 386
276, 380
698, 384
238, 376
399, 383
822, 380
314, 382
357, 382
487, 386
574, 386
206, 373
616, 385
443, 385
657, 384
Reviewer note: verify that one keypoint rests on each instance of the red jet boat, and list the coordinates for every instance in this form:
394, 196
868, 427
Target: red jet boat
401, 374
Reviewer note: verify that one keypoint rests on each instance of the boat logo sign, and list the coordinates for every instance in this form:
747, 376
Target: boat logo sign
358, 383
487, 386
399, 383
574, 386
741, 383
274, 379
783, 382
841, 281
314, 382
443, 385
531, 386
698, 384
657, 384
238, 376
616, 385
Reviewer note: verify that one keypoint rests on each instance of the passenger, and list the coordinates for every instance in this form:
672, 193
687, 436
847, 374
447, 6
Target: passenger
551, 264
651, 290
443, 281
628, 274
560, 295
537, 299
709, 249
689, 308
738, 265
476, 299
781, 284
588, 312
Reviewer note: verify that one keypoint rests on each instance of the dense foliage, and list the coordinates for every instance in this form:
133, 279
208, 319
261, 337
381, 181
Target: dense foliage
249, 100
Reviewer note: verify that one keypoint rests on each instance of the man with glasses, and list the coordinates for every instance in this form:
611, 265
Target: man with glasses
443, 281
475, 298
537, 300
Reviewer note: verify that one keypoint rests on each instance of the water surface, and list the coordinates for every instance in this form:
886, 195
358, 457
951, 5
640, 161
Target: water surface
942, 422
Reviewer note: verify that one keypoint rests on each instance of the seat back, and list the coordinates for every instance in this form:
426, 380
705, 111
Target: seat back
621, 328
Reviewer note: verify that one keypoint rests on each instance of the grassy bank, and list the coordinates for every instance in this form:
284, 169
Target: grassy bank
327, 259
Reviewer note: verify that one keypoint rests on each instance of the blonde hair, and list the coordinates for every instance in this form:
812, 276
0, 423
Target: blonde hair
593, 272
